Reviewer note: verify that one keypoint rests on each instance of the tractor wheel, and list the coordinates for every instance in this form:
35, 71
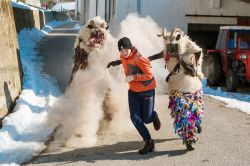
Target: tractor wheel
214, 70
232, 81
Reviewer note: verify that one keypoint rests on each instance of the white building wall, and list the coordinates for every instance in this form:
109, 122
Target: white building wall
123, 8
92, 9
80, 9
172, 13
227, 7
101, 8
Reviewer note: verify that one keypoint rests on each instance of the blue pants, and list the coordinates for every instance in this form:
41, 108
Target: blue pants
141, 106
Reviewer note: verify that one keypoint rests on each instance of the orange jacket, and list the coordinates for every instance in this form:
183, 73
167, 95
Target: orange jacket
140, 68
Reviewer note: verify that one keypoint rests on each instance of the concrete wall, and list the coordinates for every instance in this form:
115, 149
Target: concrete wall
10, 82
25, 18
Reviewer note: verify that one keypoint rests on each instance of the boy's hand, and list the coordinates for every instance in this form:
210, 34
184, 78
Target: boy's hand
129, 78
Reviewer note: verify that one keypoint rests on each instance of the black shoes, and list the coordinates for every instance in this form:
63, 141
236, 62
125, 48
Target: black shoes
189, 146
156, 122
199, 129
148, 147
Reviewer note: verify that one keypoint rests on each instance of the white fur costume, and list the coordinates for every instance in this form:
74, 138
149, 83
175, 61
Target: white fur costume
93, 100
186, 48
184, 85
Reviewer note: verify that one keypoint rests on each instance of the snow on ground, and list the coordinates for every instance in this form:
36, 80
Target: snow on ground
24, 131
78, 26
234, 100
49, 27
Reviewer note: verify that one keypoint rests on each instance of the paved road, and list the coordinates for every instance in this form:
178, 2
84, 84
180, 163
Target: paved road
57, 51
224, 140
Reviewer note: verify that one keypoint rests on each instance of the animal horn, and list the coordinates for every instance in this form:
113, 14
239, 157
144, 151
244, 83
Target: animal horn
163, 33
159, 35
92, 22
176, 30
103, 25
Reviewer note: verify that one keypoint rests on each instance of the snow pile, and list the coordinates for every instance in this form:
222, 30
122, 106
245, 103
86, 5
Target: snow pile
52, 24
233, 100
78, 26
25, 130
233, 103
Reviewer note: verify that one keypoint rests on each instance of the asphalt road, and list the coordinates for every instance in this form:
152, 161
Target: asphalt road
224, 141
57, 51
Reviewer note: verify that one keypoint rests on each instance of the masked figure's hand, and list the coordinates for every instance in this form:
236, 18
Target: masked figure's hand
114, 63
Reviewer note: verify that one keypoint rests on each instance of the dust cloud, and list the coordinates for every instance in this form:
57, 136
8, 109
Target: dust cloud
80, 114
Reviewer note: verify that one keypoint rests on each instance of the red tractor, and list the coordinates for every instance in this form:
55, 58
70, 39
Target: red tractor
230, 60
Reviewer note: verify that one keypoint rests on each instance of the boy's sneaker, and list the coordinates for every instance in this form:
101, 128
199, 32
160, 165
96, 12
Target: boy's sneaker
148, 147
156, 122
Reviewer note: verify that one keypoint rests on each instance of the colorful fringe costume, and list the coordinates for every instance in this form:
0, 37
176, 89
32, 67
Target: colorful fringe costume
187, 110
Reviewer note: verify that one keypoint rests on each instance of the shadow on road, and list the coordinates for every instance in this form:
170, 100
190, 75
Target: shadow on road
118, 151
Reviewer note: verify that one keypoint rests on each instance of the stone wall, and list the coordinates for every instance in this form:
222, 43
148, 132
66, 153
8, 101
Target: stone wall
13, 20
10, 73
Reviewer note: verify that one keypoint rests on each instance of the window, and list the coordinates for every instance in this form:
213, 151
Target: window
232, 41
219, 39
244, 38
224, 40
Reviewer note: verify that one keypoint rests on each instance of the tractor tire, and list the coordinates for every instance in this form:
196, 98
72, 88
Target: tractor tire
214, 70
232, 81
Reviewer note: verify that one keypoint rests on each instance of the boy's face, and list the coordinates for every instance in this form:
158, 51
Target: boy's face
125, 52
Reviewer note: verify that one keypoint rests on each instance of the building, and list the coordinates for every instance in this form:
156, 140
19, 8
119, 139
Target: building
86, 9
68, 7
200, 19
36, 3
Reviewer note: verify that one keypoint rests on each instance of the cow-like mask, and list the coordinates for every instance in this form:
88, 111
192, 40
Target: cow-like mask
97, 33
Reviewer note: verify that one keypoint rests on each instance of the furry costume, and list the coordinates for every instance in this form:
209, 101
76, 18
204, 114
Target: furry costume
184, 59
91, 37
